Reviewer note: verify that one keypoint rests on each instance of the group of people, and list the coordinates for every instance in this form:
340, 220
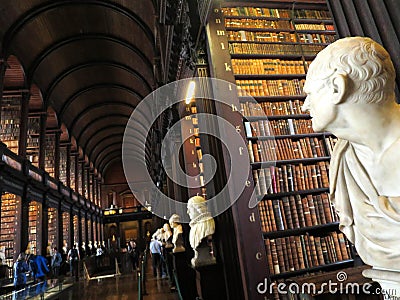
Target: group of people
160, 248
36, 266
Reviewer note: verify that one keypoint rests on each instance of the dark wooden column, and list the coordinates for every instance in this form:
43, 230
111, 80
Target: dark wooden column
377, 19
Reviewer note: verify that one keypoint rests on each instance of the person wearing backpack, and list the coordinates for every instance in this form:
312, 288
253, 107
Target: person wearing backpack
73, 258
56, 261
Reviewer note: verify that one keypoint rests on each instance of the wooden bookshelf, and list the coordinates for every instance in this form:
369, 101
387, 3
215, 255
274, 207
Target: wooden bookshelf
8, 230
32, 143
72, 176
33, 225
65, 224
83, 229
76, 229
53, 226
50, 148
266, 52
63, 165
10, 118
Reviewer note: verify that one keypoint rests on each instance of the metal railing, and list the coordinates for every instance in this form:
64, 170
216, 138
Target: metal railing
142, 276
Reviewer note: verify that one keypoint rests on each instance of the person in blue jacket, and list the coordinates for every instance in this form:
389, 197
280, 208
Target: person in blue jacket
20, 269
38, 266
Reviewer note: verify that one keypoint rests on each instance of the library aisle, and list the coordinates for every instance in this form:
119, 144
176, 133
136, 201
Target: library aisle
123, 287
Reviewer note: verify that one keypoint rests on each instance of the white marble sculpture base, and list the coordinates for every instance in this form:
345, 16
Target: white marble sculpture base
389, 281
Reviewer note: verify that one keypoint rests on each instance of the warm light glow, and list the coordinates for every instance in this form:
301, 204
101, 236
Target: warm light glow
190, 92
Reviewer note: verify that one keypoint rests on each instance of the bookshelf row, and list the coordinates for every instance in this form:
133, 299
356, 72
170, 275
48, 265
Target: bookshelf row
267, 66
276, 13
266, 128
287, 149
252, 48
306, 251
280, 108
261, 88
290, 178
294, 212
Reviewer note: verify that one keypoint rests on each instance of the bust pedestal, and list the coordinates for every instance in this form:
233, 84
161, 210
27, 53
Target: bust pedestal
185, 275
389, 281
210, 282
203, 254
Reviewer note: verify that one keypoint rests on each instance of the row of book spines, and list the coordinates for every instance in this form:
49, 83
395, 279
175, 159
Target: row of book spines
315, 38
291, 178
265, 36
256, 12
279, 127
259, 23
275, 49
307, 26
281, 108
296, 212
276, 13
306, 251
267, 66
287, 149
265, 88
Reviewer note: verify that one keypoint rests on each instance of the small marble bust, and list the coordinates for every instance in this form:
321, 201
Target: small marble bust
177, 239
167, 237
350, 89
202, 227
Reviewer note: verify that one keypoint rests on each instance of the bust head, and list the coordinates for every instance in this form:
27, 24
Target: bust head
174, 220
351, 70
196, 206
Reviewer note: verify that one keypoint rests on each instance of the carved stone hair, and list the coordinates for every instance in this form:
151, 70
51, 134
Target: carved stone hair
199, 203
365, 62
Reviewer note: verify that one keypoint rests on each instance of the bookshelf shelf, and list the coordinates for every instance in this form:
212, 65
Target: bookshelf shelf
313, 21
297, 231
258, 18
329, 32
292, 136
278, 117
300, 192
271, 98
277, 30
257, 165
326, 267
270, 76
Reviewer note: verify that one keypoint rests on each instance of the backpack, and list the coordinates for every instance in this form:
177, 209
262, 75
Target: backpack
74, 254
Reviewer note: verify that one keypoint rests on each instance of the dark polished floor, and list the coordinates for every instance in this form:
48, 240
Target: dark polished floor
123, 287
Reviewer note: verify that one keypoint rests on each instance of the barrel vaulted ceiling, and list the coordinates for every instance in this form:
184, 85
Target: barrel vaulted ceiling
92, 61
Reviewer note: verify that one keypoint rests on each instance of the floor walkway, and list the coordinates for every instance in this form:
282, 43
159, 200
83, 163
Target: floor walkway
123, 287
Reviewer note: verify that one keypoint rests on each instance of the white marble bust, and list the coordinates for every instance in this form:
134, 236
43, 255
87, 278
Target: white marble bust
350, 89
177, 238
202, 226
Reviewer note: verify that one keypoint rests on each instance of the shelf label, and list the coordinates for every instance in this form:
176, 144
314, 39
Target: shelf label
238, 128
216, 10
218, 20
220, 32
247, 183
240, 150
258, 255
228, 68
252, 218
222, 46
